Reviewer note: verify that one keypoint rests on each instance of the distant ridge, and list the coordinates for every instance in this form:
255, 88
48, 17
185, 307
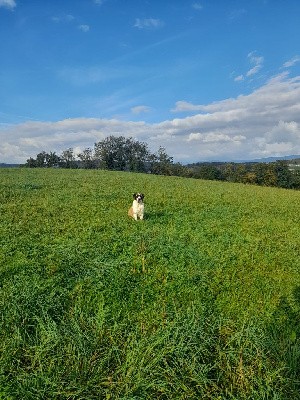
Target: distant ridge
4, 165
257, 160
271, 159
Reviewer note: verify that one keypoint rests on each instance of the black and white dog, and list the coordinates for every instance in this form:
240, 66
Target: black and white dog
137, 209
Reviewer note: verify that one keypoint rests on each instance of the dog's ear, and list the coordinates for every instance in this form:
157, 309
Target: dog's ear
134, 195
142, 196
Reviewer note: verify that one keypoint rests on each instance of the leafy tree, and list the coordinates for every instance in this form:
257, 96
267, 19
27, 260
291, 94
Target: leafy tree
250, 177
87, 159
260, 171
161, 163
295, 179
270, 178
178, 169
68, 159
229, 172
110, 153
283, 174
137, 155
122, 154
41, 159
31, 163
240, 172
52, 159
209, 172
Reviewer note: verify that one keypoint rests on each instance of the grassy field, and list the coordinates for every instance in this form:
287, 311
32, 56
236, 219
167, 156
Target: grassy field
201, 300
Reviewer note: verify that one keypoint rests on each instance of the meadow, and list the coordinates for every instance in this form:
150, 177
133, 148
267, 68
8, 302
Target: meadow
201, 300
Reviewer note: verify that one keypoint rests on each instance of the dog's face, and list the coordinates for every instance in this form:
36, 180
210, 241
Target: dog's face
139, 197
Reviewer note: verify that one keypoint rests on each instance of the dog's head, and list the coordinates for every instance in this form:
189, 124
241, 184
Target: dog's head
139, 197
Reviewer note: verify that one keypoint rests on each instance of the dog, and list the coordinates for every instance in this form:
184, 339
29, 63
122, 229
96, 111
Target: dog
137, 209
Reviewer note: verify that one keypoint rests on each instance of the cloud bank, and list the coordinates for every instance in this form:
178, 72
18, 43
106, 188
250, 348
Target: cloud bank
263, 123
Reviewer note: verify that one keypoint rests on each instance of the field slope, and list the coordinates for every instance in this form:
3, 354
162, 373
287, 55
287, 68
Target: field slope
201, 300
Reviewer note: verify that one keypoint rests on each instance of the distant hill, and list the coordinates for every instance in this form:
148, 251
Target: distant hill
274, 159
4, 165
257, 160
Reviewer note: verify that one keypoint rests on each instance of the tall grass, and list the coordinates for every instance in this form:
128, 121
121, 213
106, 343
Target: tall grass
199, 301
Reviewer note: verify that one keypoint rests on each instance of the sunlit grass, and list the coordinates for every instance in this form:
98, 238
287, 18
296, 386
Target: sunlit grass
200, 300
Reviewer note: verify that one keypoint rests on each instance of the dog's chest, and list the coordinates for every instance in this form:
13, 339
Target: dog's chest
138, 207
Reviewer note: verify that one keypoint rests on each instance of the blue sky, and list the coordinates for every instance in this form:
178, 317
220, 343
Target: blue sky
208, 80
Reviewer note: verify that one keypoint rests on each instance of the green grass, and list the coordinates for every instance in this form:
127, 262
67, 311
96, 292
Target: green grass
201, 300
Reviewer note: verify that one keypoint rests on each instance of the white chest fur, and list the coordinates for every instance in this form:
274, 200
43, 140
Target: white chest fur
138, 209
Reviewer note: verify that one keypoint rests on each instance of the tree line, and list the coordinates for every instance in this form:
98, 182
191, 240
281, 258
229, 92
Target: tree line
277, 173
126, 154
113, 153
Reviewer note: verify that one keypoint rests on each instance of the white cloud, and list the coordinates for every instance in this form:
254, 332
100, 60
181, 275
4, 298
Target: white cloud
84, 28
140, 109
283, 132
63, 18
291, 62
214, 137
263, 123
69, 17
183, 106
253, 70
29, 138
197, 6
10, 4
256, 61
148, 23
239, 78
271, 112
